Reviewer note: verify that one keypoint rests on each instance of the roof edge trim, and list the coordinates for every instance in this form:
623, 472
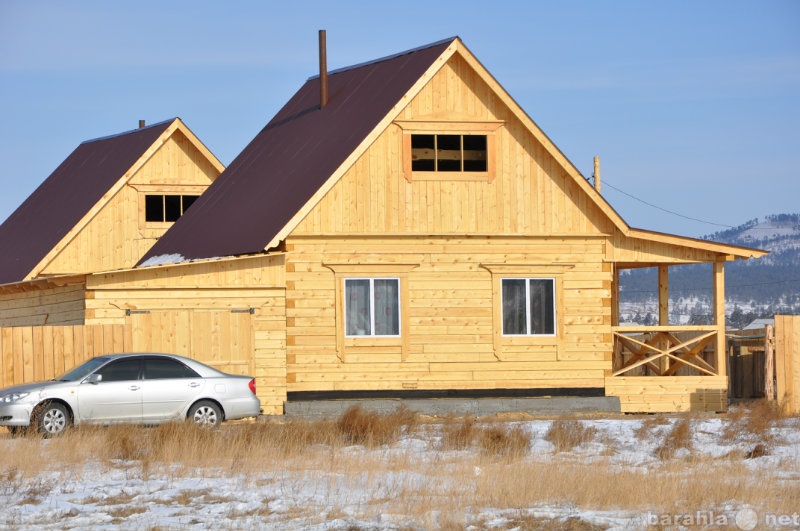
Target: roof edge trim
386, 58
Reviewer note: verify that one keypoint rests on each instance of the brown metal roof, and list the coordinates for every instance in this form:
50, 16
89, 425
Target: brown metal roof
292, 157
59, 203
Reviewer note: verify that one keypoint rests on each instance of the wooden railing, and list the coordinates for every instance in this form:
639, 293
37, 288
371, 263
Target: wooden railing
665, 350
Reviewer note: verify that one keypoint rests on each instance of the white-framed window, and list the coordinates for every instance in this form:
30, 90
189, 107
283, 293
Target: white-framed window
529, 306
372, 307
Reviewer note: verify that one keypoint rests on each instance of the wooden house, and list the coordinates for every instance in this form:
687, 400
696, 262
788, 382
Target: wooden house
402, 226
101, 209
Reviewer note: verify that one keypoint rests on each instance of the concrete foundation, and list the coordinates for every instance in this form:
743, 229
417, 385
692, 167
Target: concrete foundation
457, 406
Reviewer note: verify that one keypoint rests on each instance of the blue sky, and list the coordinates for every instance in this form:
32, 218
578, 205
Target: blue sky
693, 107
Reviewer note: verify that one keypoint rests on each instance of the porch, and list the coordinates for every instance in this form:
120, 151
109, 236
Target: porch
670, 367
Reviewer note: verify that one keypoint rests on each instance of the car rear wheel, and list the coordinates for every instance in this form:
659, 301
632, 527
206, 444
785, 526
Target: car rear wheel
206, 414
52, 419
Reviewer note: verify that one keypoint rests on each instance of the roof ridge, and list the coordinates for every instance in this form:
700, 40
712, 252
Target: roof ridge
387, 58
107, 137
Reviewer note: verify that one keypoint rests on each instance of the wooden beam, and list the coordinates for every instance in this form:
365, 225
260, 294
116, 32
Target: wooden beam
719, 317
663, 308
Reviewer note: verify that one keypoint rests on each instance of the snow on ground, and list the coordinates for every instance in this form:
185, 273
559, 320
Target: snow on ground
121, 496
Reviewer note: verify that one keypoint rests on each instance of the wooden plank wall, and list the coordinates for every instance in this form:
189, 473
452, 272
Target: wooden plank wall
532, 193
55, 305
652, 394
450, 314
35, 353
787, 362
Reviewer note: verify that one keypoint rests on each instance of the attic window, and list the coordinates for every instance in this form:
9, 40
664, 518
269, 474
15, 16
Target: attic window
449, 150
448, 153
160, 208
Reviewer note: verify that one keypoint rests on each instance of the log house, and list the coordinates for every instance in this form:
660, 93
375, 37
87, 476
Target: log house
413, 232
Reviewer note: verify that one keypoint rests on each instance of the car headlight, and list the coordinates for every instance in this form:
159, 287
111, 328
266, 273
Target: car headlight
12, 397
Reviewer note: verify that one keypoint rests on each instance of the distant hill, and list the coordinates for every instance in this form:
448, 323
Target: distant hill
753, 288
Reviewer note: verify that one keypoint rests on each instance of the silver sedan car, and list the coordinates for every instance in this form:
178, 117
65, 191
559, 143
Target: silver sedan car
144, 388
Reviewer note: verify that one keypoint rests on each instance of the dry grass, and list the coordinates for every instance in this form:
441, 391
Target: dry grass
491, 466
493, 439
679, 437
753, 422
501, 441
458, 433
567, 434
357, 426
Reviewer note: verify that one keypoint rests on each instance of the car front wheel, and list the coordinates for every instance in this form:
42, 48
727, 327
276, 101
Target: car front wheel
52, 419
206, 414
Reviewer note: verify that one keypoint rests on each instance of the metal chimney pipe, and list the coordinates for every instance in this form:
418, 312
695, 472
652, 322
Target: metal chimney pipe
141, 124
323, 70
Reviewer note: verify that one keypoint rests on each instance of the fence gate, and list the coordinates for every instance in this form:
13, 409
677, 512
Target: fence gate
222, 339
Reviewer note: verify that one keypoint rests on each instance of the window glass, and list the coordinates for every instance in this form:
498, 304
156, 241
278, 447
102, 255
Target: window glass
542, 311
358, 310
475, 153
172, 207
154, 208
387, 312
423, 152
167, 208
514, 317
372, 306
528, 306
120, 371
188, 200
162, 368
448, 153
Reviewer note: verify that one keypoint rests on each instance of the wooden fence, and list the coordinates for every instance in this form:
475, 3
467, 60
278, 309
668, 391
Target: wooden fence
35, 353
787, 362
219, 338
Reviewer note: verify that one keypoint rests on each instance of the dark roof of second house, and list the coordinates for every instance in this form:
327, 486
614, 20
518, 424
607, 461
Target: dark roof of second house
66, 196
291, 158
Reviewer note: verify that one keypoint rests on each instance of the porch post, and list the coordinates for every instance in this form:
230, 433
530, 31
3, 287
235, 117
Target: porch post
663, 295
663, 310
719, 317
614, 295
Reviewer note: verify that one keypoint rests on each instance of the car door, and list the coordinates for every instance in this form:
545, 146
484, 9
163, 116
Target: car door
168, 388
116, 397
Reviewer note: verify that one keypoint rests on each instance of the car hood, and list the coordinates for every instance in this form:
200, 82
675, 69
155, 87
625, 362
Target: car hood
36, 387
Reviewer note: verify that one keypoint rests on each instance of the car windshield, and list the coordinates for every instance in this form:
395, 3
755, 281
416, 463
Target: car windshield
81, 371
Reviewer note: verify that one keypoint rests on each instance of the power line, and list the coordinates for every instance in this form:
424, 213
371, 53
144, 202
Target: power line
605, 183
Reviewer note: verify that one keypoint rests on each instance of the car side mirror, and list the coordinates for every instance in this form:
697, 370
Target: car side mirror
94, 378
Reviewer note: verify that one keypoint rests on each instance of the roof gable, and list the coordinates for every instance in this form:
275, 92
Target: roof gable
76, 190
293, 157
304, 150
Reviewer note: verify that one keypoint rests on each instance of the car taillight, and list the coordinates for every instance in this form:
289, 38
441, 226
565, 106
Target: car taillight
252, 385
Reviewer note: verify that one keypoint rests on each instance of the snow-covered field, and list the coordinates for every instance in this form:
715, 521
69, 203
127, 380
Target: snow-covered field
416, 483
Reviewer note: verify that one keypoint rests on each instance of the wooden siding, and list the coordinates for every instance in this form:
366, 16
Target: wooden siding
787, 362
635, 252
450, 312
652, 394
203, 310
36, 353
531, 194
117, 237
44, 304
239, 343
